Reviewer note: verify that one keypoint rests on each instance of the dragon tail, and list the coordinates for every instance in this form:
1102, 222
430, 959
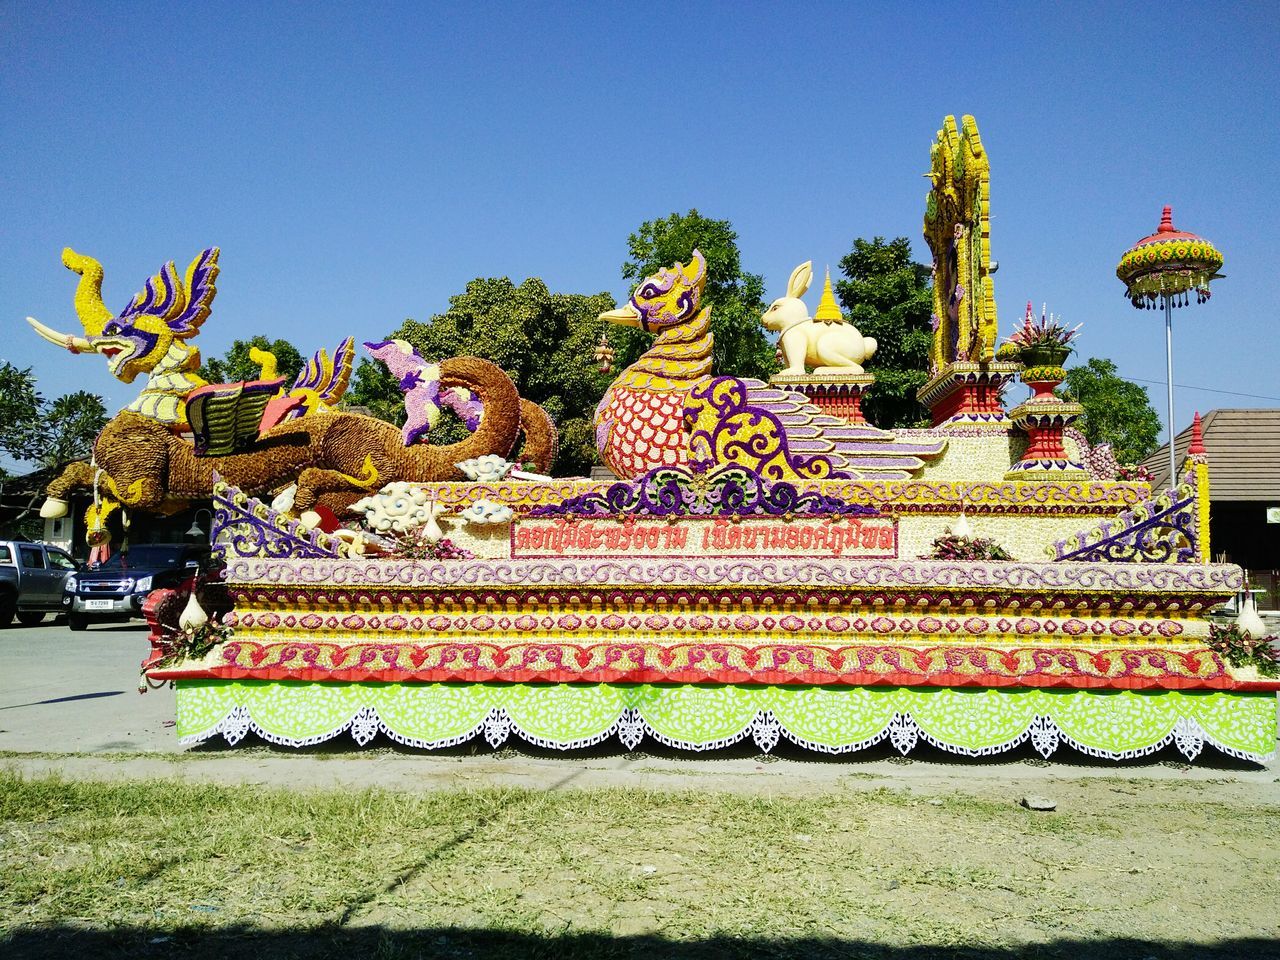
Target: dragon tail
499, 428
541, 441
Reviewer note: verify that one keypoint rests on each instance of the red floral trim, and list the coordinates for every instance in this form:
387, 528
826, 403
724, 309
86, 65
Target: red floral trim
790, 664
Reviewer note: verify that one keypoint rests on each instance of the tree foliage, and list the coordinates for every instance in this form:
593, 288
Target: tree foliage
545, 341
888, 296
46, 433
20, 405
736, 297
71, 424
1115, 411
236, 365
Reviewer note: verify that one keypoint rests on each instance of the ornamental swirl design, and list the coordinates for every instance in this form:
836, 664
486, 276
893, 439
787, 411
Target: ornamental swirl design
246, 527
940, 574
720, 662
729, 490
1164, 529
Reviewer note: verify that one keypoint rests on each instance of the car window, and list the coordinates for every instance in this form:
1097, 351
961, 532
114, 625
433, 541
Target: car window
143, 555
60, 561
32, 557
6, 555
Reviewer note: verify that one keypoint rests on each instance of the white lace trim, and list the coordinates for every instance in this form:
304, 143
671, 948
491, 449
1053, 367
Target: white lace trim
764, 728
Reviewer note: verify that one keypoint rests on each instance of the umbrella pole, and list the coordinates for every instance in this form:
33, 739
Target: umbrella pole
1168, 350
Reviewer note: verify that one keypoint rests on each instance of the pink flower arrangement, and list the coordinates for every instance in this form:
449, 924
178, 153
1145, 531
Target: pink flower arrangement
1047, 331
1241, 650
1134, 473
949, 546
415, 546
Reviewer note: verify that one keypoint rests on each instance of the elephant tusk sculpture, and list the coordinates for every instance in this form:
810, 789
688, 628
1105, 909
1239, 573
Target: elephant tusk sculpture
67, 340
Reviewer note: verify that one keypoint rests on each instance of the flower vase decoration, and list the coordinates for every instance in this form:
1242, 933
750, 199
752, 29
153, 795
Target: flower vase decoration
1042, 346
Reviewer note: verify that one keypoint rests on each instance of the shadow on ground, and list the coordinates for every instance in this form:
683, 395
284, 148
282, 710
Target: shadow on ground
1024, 753
383, 944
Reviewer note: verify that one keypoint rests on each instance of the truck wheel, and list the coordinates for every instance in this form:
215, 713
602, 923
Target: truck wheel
7, 608
76, 622
31, 618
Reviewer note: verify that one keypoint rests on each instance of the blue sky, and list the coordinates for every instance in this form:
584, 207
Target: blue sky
358, 164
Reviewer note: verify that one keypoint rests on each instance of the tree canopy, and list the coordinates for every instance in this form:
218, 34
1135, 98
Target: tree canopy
887, 295
1115, 411
236, 365
736, 297
71, 423
545, 341
44, 433
20, 404
38, 433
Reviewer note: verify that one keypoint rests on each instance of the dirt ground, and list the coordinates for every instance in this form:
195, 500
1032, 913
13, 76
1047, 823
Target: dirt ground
1125, 867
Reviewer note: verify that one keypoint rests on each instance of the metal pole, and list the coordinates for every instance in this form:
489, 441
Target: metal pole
1168, 349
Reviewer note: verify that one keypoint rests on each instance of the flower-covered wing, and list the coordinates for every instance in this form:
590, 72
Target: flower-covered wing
181, 306
225, 417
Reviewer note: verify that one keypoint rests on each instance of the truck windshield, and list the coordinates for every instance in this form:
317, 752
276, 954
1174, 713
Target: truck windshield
144, 556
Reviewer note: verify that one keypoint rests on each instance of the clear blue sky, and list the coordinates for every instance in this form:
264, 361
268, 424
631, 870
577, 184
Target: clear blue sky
359, 163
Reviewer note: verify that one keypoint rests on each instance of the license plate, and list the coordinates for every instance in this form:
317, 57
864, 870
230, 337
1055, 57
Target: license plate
99, 604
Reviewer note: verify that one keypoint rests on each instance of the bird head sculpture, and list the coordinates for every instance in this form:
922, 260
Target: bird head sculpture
667, 299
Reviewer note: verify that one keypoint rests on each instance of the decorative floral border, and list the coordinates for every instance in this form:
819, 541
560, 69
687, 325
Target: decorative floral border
1164, 529
1019, 578
666, 625
771, 599
1037, 498
1111, 725
728, 490
1132, 668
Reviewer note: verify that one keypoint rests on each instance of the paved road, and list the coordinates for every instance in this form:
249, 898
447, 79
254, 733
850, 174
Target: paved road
78, 692
75, 695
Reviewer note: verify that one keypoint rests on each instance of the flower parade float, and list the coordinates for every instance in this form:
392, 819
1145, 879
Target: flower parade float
769, 566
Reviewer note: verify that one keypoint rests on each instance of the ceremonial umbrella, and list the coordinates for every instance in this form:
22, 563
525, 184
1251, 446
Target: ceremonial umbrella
1163, 270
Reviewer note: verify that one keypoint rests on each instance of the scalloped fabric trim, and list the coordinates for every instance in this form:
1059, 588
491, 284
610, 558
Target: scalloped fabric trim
971, 722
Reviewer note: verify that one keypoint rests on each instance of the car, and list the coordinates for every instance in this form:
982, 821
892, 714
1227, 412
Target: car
116, 589
31, 580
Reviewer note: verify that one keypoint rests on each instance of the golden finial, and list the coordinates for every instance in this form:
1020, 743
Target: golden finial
828, 310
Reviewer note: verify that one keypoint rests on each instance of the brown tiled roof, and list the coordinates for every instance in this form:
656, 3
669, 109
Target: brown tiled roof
1243, 449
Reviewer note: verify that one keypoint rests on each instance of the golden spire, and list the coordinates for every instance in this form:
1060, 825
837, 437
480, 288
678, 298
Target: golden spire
828, 309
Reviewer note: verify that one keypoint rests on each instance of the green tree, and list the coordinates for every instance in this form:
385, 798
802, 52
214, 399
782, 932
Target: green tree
69, 426
374, 390
237, 366
736, 298
37, 433
42, 433
888, 296
545, 341
1115, 411
20, 406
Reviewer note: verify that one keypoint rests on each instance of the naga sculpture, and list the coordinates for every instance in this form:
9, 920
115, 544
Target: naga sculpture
258, 435
957, 226
667, 409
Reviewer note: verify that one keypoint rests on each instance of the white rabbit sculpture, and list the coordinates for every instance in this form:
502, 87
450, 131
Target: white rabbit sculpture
826, 346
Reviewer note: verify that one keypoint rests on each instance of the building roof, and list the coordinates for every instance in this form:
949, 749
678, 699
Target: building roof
1243, 450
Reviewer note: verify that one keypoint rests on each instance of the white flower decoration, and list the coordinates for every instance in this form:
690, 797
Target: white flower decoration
487, 469
398, 508
486, 512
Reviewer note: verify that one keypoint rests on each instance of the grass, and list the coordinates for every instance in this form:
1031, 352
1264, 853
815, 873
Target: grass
148, 867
